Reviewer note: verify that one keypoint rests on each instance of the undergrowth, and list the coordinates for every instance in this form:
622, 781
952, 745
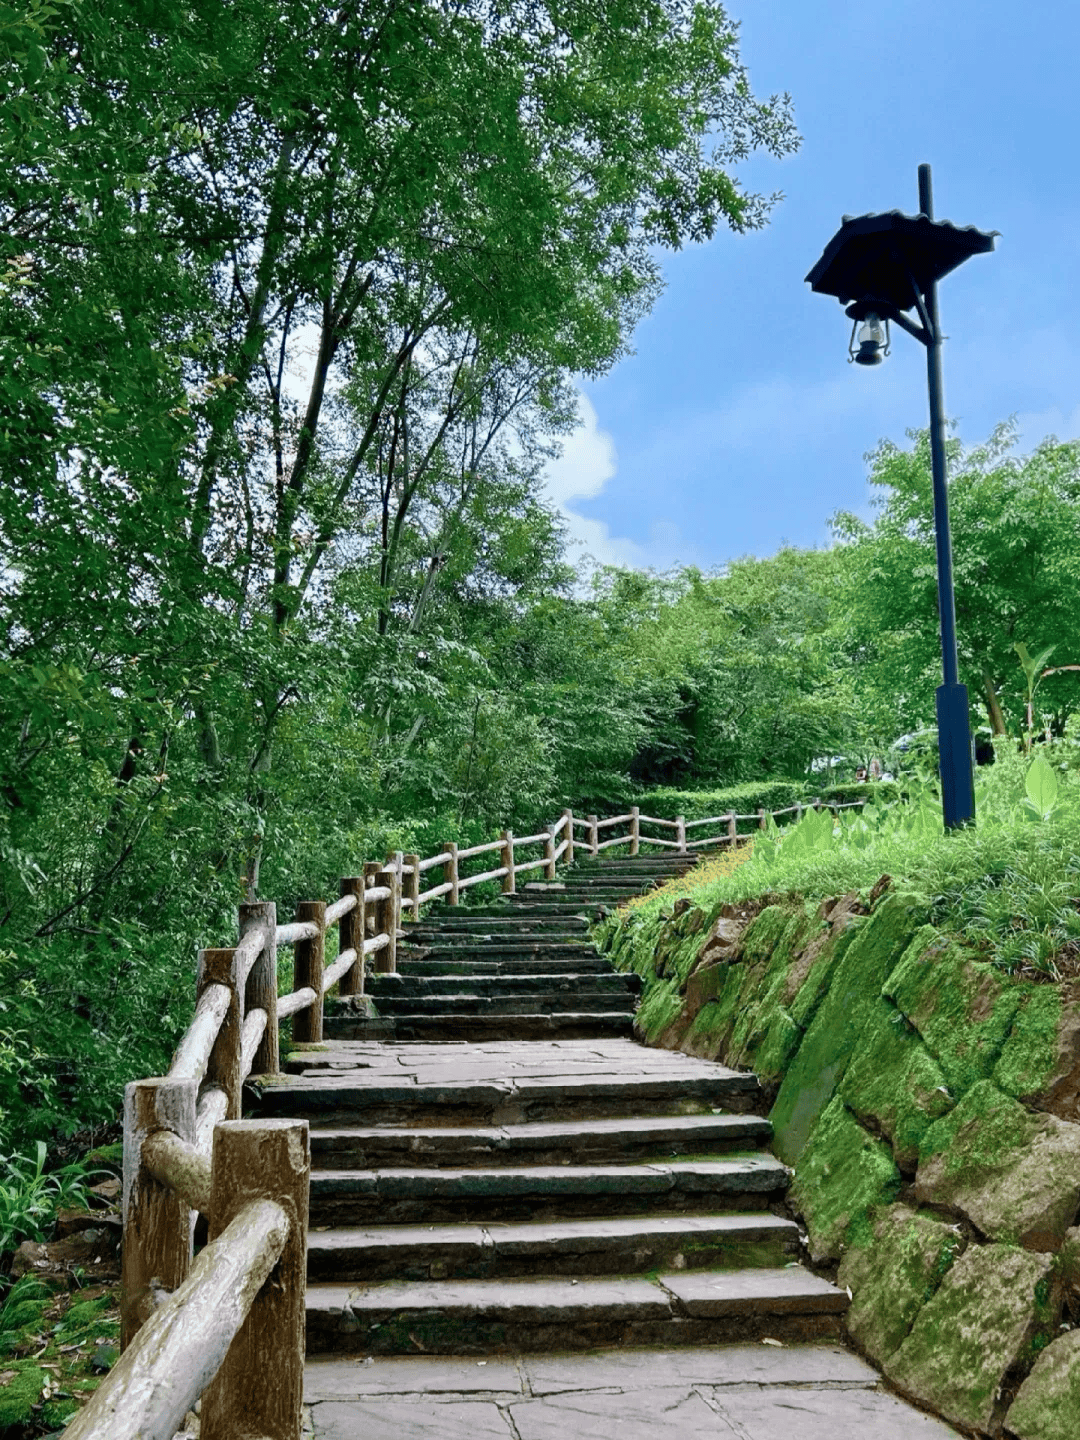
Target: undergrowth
1010, 885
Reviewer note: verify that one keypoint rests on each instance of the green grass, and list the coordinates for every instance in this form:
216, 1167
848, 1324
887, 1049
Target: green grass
1010, 886
54, 1350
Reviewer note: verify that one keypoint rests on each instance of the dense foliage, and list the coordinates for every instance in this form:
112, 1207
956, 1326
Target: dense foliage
293, 301
293, 296
1010, 887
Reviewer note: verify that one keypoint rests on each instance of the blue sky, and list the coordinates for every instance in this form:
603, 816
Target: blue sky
738, 424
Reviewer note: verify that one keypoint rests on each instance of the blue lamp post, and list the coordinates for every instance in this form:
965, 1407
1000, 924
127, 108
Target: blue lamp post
880, 268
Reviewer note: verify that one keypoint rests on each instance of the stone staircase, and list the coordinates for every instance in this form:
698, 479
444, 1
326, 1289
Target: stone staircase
509, 1171
521, 969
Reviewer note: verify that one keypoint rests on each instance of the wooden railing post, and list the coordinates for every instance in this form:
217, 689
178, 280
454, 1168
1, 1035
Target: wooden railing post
412, 886
509, 885
762, 823
568, 853
261, 992
732, 829
817, 802
680, 833
594, 836
549, 854
798, 811
157, 1223
371, 869
386, 923
309, 959
635, 829
352, 931
450, 872
225, 1066
258, 1389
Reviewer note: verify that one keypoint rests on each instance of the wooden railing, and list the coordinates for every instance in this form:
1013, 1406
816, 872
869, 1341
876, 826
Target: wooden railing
204, 1327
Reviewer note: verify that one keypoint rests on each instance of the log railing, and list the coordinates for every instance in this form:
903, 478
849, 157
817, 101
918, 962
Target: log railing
199, 1328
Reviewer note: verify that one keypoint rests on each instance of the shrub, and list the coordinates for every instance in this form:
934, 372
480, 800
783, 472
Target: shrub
882, 790
744, 799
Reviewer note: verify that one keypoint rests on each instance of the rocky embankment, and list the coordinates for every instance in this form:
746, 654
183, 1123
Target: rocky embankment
929, 1106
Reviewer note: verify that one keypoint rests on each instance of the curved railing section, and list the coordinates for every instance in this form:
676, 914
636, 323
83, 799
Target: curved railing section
200, 1328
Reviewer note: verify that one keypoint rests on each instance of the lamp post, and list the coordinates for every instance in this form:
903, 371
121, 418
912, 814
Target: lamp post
880, 267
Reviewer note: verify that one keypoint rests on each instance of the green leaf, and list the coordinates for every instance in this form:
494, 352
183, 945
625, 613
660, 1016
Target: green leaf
1041, 785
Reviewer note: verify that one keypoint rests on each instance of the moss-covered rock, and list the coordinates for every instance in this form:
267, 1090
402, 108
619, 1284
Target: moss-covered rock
894, 1274
819, 1063
843, 1171
893, 1083
1047, 1406
1040, 1061
1015, 1175
963, 1009
993, 1310
809, 976
21, 1392
1028, 1054
660, 1006
759, 1012
1070, 1266
711, 1025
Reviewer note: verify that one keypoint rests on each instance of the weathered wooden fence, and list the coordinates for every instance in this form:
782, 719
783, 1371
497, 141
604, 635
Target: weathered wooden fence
228, 1326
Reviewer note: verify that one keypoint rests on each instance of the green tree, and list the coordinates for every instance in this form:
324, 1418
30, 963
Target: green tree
1016, 556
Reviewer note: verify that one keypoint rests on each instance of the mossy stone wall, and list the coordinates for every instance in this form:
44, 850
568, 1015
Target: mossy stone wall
929, 1106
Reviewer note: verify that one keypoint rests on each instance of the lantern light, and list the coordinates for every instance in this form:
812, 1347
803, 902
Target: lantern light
873, 341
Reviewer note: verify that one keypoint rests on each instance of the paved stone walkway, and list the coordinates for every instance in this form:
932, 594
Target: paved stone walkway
731, 1392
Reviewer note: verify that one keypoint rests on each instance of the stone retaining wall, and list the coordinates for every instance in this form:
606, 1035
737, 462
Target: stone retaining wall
929, 1107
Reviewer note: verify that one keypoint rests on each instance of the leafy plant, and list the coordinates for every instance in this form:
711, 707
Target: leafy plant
30, 1196
1041, 786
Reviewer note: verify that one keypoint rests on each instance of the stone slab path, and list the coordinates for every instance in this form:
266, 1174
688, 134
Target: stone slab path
731, 1392
511, 1198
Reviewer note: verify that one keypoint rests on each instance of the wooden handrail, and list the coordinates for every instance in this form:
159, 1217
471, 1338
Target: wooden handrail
614, 820
484, 875
200, 1339
171, 1362
340, 908
479, 850
433, 860
180, 1165
193, 1052
295, 1002
297, 932
171, 1125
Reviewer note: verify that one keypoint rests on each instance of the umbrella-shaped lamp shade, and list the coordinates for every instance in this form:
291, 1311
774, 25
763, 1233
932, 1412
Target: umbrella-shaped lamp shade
878, 256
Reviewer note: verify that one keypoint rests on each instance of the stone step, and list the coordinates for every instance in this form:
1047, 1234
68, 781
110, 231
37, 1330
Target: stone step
608, 1246
482, 920
585, 884
538, 910
466, 1002
520, 931
343, 1097
578, 894
559, 1142
628, 865
473, 963
492, 1025
746, 1180
495, 1316
501, 949
533, 982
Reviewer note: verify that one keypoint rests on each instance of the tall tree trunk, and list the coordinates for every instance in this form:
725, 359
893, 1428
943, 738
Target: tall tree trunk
993, 705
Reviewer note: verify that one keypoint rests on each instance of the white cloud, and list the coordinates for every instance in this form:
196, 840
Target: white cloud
588, 461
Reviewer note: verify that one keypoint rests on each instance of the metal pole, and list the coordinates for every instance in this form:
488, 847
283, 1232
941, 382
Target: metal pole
954, 734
